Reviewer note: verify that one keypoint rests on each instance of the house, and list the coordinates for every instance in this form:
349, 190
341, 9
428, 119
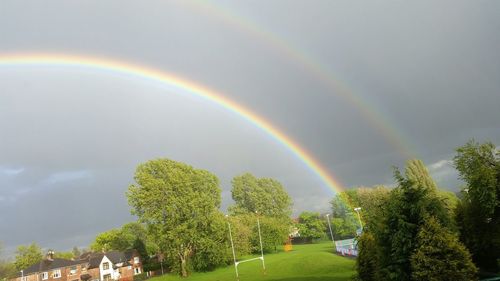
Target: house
112, 265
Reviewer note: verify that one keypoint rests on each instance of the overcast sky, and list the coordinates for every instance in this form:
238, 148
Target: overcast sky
426, 73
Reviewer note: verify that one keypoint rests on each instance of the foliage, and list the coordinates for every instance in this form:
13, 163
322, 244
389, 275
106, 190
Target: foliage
7, 268
214, 250
366, 263
409, 205
64, 255
265, 196
179, 205
140, 277
27, 256
311, 226
440, 256
131, 235
478, 214
344, 219
241, 230
109, 240
274, 234
344, 228
395, 223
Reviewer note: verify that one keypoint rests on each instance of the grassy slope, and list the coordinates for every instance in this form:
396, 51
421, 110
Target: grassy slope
306, 262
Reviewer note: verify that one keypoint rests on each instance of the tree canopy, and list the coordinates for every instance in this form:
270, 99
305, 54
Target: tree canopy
311, 226
180, 207
263, 195
27, 256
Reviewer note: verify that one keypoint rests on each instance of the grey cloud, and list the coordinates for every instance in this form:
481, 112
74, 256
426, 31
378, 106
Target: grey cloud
431, 69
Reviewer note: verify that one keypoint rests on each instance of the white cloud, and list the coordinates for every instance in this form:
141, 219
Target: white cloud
67, 176
11, 171
444, 173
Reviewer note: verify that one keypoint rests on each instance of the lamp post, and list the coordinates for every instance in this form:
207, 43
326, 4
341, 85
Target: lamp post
359, 217
331, 233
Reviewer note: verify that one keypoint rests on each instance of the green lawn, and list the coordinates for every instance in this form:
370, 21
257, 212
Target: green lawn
314, 262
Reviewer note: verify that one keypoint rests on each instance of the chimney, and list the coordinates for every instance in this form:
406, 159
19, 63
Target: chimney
50, 255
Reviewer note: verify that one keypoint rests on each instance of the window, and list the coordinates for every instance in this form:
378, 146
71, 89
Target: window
107, 277
45, 276
136, 260
137, 270
25, 278
56, 273
105, 265
129, 267
72, 270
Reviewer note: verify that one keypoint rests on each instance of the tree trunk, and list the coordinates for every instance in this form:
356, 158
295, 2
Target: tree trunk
184, 272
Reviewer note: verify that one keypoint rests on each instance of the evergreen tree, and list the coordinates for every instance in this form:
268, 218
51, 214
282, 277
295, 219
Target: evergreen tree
439, 256
366, 263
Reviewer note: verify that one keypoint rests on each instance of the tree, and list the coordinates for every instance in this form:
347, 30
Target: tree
265, 196
397, 223
110, 240
64, 255
76, 251
179, 205
132, 235
478, 214
27, 256
311, 226
366, 263
439, 255
344, 220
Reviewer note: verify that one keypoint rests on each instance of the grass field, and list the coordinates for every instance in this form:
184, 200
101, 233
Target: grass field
314, 262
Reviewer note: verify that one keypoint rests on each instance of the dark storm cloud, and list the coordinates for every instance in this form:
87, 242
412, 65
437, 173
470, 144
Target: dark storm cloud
71, 138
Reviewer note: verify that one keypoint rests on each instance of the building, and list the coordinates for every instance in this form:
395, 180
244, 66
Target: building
113, 265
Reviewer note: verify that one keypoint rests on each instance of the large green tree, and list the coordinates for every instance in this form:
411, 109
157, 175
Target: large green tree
180, 206
263, 195
395, 230
414, 199
311, 226
27, 256
478, 214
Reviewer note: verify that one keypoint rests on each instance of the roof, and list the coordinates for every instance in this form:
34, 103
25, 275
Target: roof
46, 265
94, 259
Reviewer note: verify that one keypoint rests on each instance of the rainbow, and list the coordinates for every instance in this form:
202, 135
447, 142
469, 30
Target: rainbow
380, 123
181, 84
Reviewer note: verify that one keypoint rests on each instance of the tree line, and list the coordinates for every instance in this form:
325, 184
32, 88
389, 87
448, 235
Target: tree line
416, 231
180, 222
413, 231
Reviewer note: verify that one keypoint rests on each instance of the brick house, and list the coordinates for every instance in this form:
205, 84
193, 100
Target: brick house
113, 265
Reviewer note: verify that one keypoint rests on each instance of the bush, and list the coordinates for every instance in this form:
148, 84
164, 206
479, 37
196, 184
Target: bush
140, 277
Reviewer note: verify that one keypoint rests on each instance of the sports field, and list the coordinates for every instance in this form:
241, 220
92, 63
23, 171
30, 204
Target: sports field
314, 262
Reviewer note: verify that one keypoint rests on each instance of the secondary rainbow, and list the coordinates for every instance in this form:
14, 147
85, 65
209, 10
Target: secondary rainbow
381, 123
181, 84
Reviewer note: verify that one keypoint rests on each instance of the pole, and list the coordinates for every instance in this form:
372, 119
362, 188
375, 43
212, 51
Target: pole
331, 233
232, 247
261, 249
359, 217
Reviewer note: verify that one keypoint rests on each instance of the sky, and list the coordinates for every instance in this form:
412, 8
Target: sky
362, 88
